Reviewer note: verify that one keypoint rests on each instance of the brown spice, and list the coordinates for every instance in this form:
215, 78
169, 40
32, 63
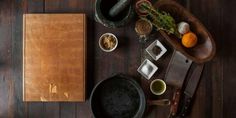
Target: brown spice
156, 50
143, 27
108, 42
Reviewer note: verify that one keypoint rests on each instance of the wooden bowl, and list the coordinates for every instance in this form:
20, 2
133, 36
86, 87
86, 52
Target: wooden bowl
205, 48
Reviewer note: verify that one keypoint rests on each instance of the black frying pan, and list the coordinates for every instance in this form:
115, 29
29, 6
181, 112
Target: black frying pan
118, 97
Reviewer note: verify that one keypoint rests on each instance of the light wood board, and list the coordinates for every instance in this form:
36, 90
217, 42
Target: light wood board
54, 57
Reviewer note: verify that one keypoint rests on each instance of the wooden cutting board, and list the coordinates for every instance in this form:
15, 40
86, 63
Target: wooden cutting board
54, 57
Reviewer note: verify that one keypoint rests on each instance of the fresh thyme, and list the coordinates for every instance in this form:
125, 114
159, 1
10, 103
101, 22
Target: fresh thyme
160, 19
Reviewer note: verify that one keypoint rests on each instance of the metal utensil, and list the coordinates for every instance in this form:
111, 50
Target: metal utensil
177, 70
190, 90
175, 76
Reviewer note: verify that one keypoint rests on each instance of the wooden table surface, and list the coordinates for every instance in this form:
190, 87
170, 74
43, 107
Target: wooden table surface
215, 97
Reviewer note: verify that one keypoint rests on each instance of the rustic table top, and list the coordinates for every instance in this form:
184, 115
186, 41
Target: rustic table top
214, 98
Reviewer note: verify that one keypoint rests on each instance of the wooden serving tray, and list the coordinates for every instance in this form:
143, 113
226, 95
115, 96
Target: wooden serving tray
205, 49
54, 57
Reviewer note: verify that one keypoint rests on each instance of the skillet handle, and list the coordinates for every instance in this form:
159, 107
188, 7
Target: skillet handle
162, 102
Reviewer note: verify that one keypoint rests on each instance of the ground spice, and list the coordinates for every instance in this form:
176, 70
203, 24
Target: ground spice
108, 42
156, 50
143, 27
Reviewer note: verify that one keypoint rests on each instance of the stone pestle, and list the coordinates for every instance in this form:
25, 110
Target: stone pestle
119, 7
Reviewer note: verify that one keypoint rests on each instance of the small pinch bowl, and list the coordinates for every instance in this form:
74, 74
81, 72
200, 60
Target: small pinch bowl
101, 45
205, 49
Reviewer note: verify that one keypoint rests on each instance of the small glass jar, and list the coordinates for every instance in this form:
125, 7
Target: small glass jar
143, 28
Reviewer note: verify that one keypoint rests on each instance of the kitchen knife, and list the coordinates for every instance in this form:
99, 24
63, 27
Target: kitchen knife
190, 90
175, 76
177, 70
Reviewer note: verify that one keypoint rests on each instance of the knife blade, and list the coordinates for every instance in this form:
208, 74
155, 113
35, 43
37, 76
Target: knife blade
190, 90
175, 76
177, 70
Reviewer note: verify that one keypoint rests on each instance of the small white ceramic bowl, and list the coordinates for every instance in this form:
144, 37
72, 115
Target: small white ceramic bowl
151, 53
102, 47
147, 69
163, 84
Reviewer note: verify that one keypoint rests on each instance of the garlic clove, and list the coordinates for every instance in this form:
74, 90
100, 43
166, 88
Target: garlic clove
183, 27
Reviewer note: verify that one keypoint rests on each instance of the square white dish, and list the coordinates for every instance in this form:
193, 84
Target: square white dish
149, 50
147, 69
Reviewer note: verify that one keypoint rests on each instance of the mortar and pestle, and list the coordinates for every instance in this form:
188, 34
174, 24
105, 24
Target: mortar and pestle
113, 13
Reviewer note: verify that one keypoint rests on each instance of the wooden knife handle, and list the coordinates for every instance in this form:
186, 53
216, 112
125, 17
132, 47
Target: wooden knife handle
175, 102
185, 108
162, 102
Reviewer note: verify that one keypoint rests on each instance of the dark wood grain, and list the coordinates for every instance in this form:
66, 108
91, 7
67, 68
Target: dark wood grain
212, 14
52, 110
18, 8
6, 87
215, 97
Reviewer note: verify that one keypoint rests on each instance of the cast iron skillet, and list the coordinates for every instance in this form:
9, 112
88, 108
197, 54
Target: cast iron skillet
118, 97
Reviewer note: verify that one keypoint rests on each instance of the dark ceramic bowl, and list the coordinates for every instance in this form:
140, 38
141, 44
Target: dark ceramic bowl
102, 8
118, 97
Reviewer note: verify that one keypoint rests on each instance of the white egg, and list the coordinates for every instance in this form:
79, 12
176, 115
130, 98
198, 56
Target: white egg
183, 27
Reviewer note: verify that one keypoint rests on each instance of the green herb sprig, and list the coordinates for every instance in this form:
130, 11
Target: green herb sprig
160, 19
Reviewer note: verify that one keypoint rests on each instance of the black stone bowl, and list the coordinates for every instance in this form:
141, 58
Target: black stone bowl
118, 97
102, 8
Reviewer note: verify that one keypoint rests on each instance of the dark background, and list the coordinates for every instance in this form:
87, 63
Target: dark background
215, 97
